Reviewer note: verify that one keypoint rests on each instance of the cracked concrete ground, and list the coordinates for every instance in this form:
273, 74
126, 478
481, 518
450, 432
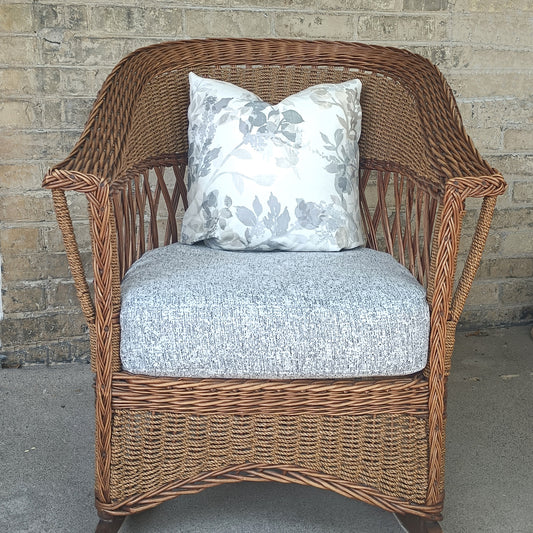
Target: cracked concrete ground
46, 458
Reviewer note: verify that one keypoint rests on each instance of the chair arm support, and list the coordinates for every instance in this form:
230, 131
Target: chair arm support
447, 305
488, 188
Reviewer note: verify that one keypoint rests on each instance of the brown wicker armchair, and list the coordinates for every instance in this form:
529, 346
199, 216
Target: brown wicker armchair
417, 168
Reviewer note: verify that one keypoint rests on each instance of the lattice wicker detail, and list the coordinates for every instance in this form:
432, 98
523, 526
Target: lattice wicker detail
152, 449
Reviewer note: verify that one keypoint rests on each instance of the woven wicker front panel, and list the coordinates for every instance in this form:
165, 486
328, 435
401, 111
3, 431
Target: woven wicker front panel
153, 449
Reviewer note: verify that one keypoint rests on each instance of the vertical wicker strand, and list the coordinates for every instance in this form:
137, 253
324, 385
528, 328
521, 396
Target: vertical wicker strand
101, 219
442, 288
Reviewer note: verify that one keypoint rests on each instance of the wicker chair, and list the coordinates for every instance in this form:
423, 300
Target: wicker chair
417, 168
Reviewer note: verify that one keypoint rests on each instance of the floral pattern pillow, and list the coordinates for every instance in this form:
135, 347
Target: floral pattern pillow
273, 177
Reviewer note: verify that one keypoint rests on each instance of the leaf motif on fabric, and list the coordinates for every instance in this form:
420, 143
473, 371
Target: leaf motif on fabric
241, 153
258, 119
258, 208
292, 116
243, 127
246, 216
275, 206
289, 135
221, 104
238, 182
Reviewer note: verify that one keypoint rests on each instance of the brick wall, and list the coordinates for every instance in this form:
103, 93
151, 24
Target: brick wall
54, 55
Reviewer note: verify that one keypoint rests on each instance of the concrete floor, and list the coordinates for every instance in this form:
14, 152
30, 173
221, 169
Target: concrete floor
46, 458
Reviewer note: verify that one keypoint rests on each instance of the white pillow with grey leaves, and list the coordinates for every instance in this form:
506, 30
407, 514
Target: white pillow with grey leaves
273, 177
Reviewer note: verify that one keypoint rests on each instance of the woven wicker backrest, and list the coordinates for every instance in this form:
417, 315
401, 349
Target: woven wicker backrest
391, 129
148, 95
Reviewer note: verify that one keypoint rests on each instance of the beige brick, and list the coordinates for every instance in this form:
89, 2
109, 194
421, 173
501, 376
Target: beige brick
67, 48
84, 81
47, 15
39, 329
18, 82
33, 145
200, 23
496, 59
360, 5
279, 4
443, 55
62, 295
517, 291
19, 240
492, 6
513, 218
517, 243
79, 349
34, 267
516, 164
508, 267
76, 111
466, 110
16, 50
148, 21
487, 138
26, 208
52, 111
208, 3
478, 85
60, 16
72, 350
15, 18
502, 111
77, 204
48, 80
490, 316
425, 5
25, 299
493, 29
66, 112
74, 17
16, 357
314, 26
483, 293
518, 140
20, 177
18, 114
523, 192
404, 28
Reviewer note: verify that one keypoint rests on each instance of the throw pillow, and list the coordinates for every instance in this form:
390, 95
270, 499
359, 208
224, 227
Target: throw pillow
273, 177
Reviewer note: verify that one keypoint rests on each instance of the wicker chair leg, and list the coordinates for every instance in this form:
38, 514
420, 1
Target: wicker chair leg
416, 524
108, 523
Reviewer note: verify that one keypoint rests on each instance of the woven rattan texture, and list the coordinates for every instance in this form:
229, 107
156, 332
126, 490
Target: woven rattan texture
391, 126
236, 396
151, 450
418, 166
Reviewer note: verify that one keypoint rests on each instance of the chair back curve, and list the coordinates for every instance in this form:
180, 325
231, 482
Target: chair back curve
400, 178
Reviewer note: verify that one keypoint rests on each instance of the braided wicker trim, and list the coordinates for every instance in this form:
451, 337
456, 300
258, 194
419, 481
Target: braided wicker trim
270, 473
211, 396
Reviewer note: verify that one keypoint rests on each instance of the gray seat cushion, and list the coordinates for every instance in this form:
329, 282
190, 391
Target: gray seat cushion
193, 311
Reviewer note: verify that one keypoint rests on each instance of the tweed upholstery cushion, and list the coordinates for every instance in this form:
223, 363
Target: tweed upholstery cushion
194, 311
